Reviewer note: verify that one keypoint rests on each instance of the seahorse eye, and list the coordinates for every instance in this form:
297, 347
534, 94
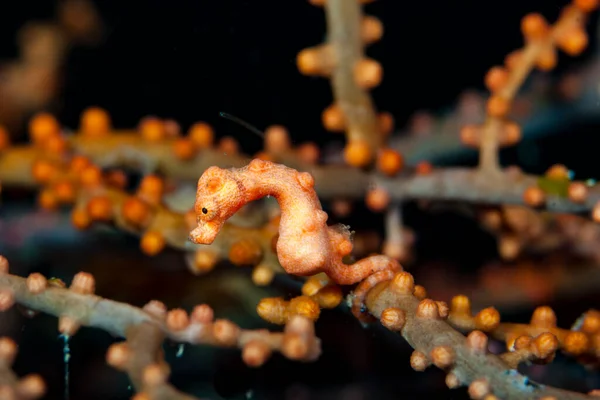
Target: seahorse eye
204, 210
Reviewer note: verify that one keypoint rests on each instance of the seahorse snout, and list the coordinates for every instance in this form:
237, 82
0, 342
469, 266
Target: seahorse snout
203, 235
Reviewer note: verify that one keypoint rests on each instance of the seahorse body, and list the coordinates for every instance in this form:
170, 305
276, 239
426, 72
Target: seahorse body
306, 245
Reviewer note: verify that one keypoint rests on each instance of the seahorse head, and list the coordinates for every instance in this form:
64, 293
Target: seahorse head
218, 197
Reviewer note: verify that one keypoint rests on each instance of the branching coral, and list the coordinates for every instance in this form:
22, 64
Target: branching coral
342, 59
504, 82
422, 322
146, 328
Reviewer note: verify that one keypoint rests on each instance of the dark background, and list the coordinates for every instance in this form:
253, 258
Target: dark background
189, 60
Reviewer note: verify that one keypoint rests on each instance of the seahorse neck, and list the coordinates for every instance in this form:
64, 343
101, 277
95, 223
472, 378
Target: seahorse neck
263, 185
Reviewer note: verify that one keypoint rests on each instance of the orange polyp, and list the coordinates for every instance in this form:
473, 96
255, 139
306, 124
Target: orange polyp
498, 107
135, 211
47, 200
306, 245
496, 79
202, 135
152, 243
152, 185
80, 219
389, 162
100, 208
172, 128
573, 42
245, 252
578, 192
43, 171
333, 119
184, 149
228, 145
204, 261
511, 134
153, 129
78, 163
386, 123
470, 135
43, 126
151, 189
534, 196
91, 176
513, 59
95, 122
368, 73
308, 153
557, 172
65, 191
371, 29
357, 153
55, 145
547, 59
534, 26
377, 199
314, 61
277, 139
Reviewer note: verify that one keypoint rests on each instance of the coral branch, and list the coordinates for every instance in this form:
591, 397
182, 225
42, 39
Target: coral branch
116, 318
539, 51
435, 341
344, 19
16, 166
124, 149
132, 149
95, 199
140, 357
461, 184
342, 59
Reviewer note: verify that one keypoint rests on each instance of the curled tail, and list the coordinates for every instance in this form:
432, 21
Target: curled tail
369, 272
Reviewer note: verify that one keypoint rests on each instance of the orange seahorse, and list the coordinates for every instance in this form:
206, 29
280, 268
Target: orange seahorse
306, 245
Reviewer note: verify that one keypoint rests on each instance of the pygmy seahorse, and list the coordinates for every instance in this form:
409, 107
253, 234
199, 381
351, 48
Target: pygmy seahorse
306, 245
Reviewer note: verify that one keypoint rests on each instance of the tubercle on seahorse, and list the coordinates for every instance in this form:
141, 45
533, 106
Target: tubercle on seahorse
306, 245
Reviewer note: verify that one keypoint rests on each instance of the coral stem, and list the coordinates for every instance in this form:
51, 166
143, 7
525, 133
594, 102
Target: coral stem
343, 19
